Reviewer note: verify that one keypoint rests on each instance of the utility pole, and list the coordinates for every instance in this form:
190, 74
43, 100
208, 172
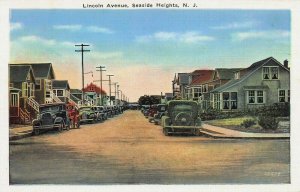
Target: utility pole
101, 70
118, 94
109, 88
82, 68
115, 83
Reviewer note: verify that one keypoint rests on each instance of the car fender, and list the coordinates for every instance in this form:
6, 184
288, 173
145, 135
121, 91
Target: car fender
58, 120
165, 121
36, 121
198, 122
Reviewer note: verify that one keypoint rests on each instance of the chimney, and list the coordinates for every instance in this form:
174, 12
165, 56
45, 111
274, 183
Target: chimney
286, 63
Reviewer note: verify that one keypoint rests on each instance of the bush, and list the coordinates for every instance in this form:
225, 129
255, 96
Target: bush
268, 122
248, 123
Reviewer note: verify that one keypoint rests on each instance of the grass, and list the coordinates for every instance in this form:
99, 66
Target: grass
230, 122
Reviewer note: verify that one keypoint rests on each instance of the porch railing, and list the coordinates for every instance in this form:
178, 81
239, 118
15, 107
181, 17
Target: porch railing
25, 116
33, 103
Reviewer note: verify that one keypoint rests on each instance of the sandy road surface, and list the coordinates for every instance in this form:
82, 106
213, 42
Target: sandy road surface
128, 149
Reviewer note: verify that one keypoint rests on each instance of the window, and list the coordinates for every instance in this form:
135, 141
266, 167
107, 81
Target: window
251, 96
229, 100
266, 73
256, 97
24, 89
38, 84
217, 101
237, 75
31, 89
205, 88
270, 73
60, 93
197, 92
14, 100
284, 96
274, 71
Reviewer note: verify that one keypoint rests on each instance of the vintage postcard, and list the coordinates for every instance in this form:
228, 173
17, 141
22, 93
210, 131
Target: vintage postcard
153, 95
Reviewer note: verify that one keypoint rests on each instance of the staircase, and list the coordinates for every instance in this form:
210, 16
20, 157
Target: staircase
32, 103
25, 117
55, 98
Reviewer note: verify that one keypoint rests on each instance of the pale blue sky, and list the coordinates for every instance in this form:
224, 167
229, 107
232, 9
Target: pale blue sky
168, 40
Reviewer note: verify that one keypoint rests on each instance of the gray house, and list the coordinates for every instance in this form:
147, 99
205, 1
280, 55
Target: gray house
61, 89
179, 85
263, 83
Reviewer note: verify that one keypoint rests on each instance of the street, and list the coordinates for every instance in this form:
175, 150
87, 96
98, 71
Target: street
127, 149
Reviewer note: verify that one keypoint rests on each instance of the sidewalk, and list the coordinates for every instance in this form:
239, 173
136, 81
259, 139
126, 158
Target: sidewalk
219, 132
20, 132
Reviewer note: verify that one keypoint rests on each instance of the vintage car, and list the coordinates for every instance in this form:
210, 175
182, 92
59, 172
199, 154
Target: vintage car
51, 116
182, 116
99, 114
73, 114
101, 109
152, 112
161, 109
87, 115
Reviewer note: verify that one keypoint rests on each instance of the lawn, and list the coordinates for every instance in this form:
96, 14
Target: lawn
235, 124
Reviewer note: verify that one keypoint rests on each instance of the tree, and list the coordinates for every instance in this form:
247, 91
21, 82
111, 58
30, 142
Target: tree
149, 100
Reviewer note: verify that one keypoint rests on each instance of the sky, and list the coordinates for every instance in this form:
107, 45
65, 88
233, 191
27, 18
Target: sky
144, 49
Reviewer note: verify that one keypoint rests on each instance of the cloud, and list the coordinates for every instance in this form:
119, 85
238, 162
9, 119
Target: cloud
186, 37
236, 25
270, 34
96, 29
33, 38
68, 27
16, 26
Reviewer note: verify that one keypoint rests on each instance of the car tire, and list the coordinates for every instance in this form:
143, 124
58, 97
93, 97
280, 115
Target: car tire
36, 131
165, 131
61, 126
68, 127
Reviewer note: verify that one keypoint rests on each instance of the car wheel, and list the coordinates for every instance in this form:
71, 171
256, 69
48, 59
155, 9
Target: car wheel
68, 127
61, 127
196, 132
165, 131
36, 131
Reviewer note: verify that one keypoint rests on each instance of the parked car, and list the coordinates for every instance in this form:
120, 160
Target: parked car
99, 114
74, 117
87, 115
51, 116
161, 109
102, 110
109, 111
152, 112
182, 117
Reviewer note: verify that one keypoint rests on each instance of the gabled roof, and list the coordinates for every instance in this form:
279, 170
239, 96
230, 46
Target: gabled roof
226, 73
201, 76
248, 72
19, 73
60, 84
41, 70
74, 98
95, 88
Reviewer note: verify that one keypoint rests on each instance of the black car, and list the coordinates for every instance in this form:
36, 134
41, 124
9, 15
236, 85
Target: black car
161, 109
51, 116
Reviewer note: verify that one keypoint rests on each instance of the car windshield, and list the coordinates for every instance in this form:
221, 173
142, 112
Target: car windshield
183, 107
49, 109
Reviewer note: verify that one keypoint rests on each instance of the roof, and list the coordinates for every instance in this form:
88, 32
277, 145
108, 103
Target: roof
201, 76
14, 89
248, 72
226, 73
40, 70
74, 98
19, 73
75, 91
95, 88
60, 84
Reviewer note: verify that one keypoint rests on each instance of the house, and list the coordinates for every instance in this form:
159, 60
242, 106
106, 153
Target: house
93, 94
76, 95
220, 77
195, 89
21, 93
263, 83
61, 90
43, 73
178, 84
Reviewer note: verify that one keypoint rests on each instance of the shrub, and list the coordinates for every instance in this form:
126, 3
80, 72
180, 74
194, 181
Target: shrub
268, 122
248, 123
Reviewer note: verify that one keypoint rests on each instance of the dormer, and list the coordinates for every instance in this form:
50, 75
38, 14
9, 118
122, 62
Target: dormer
237, 75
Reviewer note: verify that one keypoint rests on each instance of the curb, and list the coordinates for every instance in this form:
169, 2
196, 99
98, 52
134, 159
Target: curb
21, 136
217, 135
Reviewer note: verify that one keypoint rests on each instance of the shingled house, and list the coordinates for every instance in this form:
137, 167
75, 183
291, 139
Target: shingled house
263, 83
22, 86
61, 89
44, 74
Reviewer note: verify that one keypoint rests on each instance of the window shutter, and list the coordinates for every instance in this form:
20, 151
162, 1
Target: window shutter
24, 86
